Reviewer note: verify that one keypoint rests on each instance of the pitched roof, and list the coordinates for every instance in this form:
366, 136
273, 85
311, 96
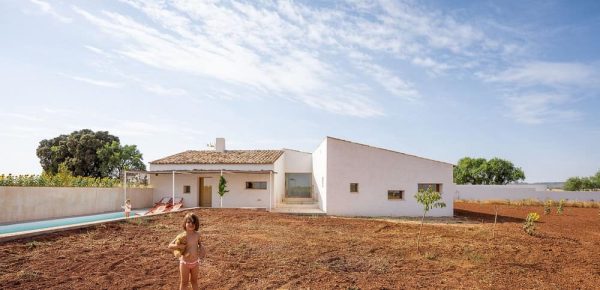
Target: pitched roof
227, 157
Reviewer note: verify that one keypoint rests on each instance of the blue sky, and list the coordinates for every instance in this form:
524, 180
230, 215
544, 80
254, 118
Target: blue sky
517, 80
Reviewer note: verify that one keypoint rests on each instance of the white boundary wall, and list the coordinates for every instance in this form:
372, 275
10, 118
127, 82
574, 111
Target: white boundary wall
19, 204
515, 192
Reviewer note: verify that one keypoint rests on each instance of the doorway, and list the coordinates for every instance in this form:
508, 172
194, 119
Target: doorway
204, 193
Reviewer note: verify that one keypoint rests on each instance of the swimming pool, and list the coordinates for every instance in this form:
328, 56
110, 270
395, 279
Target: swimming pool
39, 225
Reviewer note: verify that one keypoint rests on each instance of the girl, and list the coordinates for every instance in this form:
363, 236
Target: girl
192, 249
127, 208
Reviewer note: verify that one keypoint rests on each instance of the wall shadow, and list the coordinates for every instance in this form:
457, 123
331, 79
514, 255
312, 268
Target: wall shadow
478, 216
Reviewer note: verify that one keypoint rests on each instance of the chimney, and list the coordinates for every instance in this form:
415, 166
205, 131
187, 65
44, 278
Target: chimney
220, 145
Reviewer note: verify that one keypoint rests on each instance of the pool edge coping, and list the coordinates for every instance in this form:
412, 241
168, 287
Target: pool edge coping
28, 234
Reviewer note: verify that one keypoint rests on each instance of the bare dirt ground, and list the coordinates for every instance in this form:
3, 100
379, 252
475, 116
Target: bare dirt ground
259, 250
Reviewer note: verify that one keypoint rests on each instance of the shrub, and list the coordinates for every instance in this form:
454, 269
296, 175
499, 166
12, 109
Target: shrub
561, 204
65, 179
529, 225
547, 206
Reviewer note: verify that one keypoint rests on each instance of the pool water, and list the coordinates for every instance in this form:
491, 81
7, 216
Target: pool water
30, 226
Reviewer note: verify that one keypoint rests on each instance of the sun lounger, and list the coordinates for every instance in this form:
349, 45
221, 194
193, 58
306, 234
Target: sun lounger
174, 206
159, 206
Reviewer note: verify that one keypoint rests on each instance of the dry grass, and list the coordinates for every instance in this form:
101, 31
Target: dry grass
532, 202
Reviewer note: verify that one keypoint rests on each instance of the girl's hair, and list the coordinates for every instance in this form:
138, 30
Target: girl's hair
193, 218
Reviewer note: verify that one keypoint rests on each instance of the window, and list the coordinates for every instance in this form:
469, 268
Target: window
256, 185
187, 189
353, 187
396, 194
298, 185
435, 186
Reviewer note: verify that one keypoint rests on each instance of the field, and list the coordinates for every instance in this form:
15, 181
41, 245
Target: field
257, 250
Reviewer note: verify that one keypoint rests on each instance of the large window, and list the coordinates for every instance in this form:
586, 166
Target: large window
435, 186
354, 187
298, 185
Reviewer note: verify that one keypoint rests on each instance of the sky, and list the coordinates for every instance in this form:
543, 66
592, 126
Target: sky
518, 80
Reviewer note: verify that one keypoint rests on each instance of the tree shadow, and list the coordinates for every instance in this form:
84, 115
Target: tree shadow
478, 216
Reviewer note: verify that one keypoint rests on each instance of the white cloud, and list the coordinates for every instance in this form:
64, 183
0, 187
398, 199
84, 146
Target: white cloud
537, 108
95, 82
431, 64
291, 50
160, 90
25, 117
46, 8
549, 74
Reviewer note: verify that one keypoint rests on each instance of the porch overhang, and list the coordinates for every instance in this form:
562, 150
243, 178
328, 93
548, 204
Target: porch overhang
203, 171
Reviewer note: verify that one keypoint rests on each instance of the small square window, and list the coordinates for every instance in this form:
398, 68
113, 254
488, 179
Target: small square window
396, 194
353, 187
187, 189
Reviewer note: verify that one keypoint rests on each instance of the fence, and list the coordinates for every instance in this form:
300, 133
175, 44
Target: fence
19, 204
516, 192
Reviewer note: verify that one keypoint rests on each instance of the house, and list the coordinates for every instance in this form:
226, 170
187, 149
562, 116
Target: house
339, 178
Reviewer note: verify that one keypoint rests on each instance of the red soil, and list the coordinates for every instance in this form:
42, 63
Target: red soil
257, 250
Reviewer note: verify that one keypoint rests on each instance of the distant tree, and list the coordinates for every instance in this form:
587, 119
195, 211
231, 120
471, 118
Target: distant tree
470, 171
573, 184
481, 171
428, 199
583, 183
88, 153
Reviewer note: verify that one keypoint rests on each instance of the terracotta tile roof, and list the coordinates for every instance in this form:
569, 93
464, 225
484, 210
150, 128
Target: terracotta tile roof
227, 157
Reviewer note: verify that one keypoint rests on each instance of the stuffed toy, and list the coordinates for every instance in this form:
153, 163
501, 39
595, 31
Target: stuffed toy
181, 239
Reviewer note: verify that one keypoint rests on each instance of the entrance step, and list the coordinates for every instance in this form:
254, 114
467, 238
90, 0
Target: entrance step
299, 211
298, 205
299, 200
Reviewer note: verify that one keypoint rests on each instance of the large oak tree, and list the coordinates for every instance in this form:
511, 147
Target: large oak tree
89, 153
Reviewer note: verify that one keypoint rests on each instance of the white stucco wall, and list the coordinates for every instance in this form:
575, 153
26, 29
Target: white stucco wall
20, 204
297, 161
238, 195
163, 186
279, 180
377, 171
515, 192
319, 169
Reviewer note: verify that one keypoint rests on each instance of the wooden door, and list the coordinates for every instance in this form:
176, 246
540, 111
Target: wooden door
205, 194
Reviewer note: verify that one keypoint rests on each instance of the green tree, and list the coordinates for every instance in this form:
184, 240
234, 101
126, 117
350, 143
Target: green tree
116, 158
573, 184
583, 183
470, 171
429, 199
87, 153
222, 188
481, 171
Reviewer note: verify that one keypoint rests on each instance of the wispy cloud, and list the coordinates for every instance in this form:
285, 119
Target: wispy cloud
46, 8
160, 90
537, 108
95, 82
98, 51
553, 74
294, 51
541, 90
25, 117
